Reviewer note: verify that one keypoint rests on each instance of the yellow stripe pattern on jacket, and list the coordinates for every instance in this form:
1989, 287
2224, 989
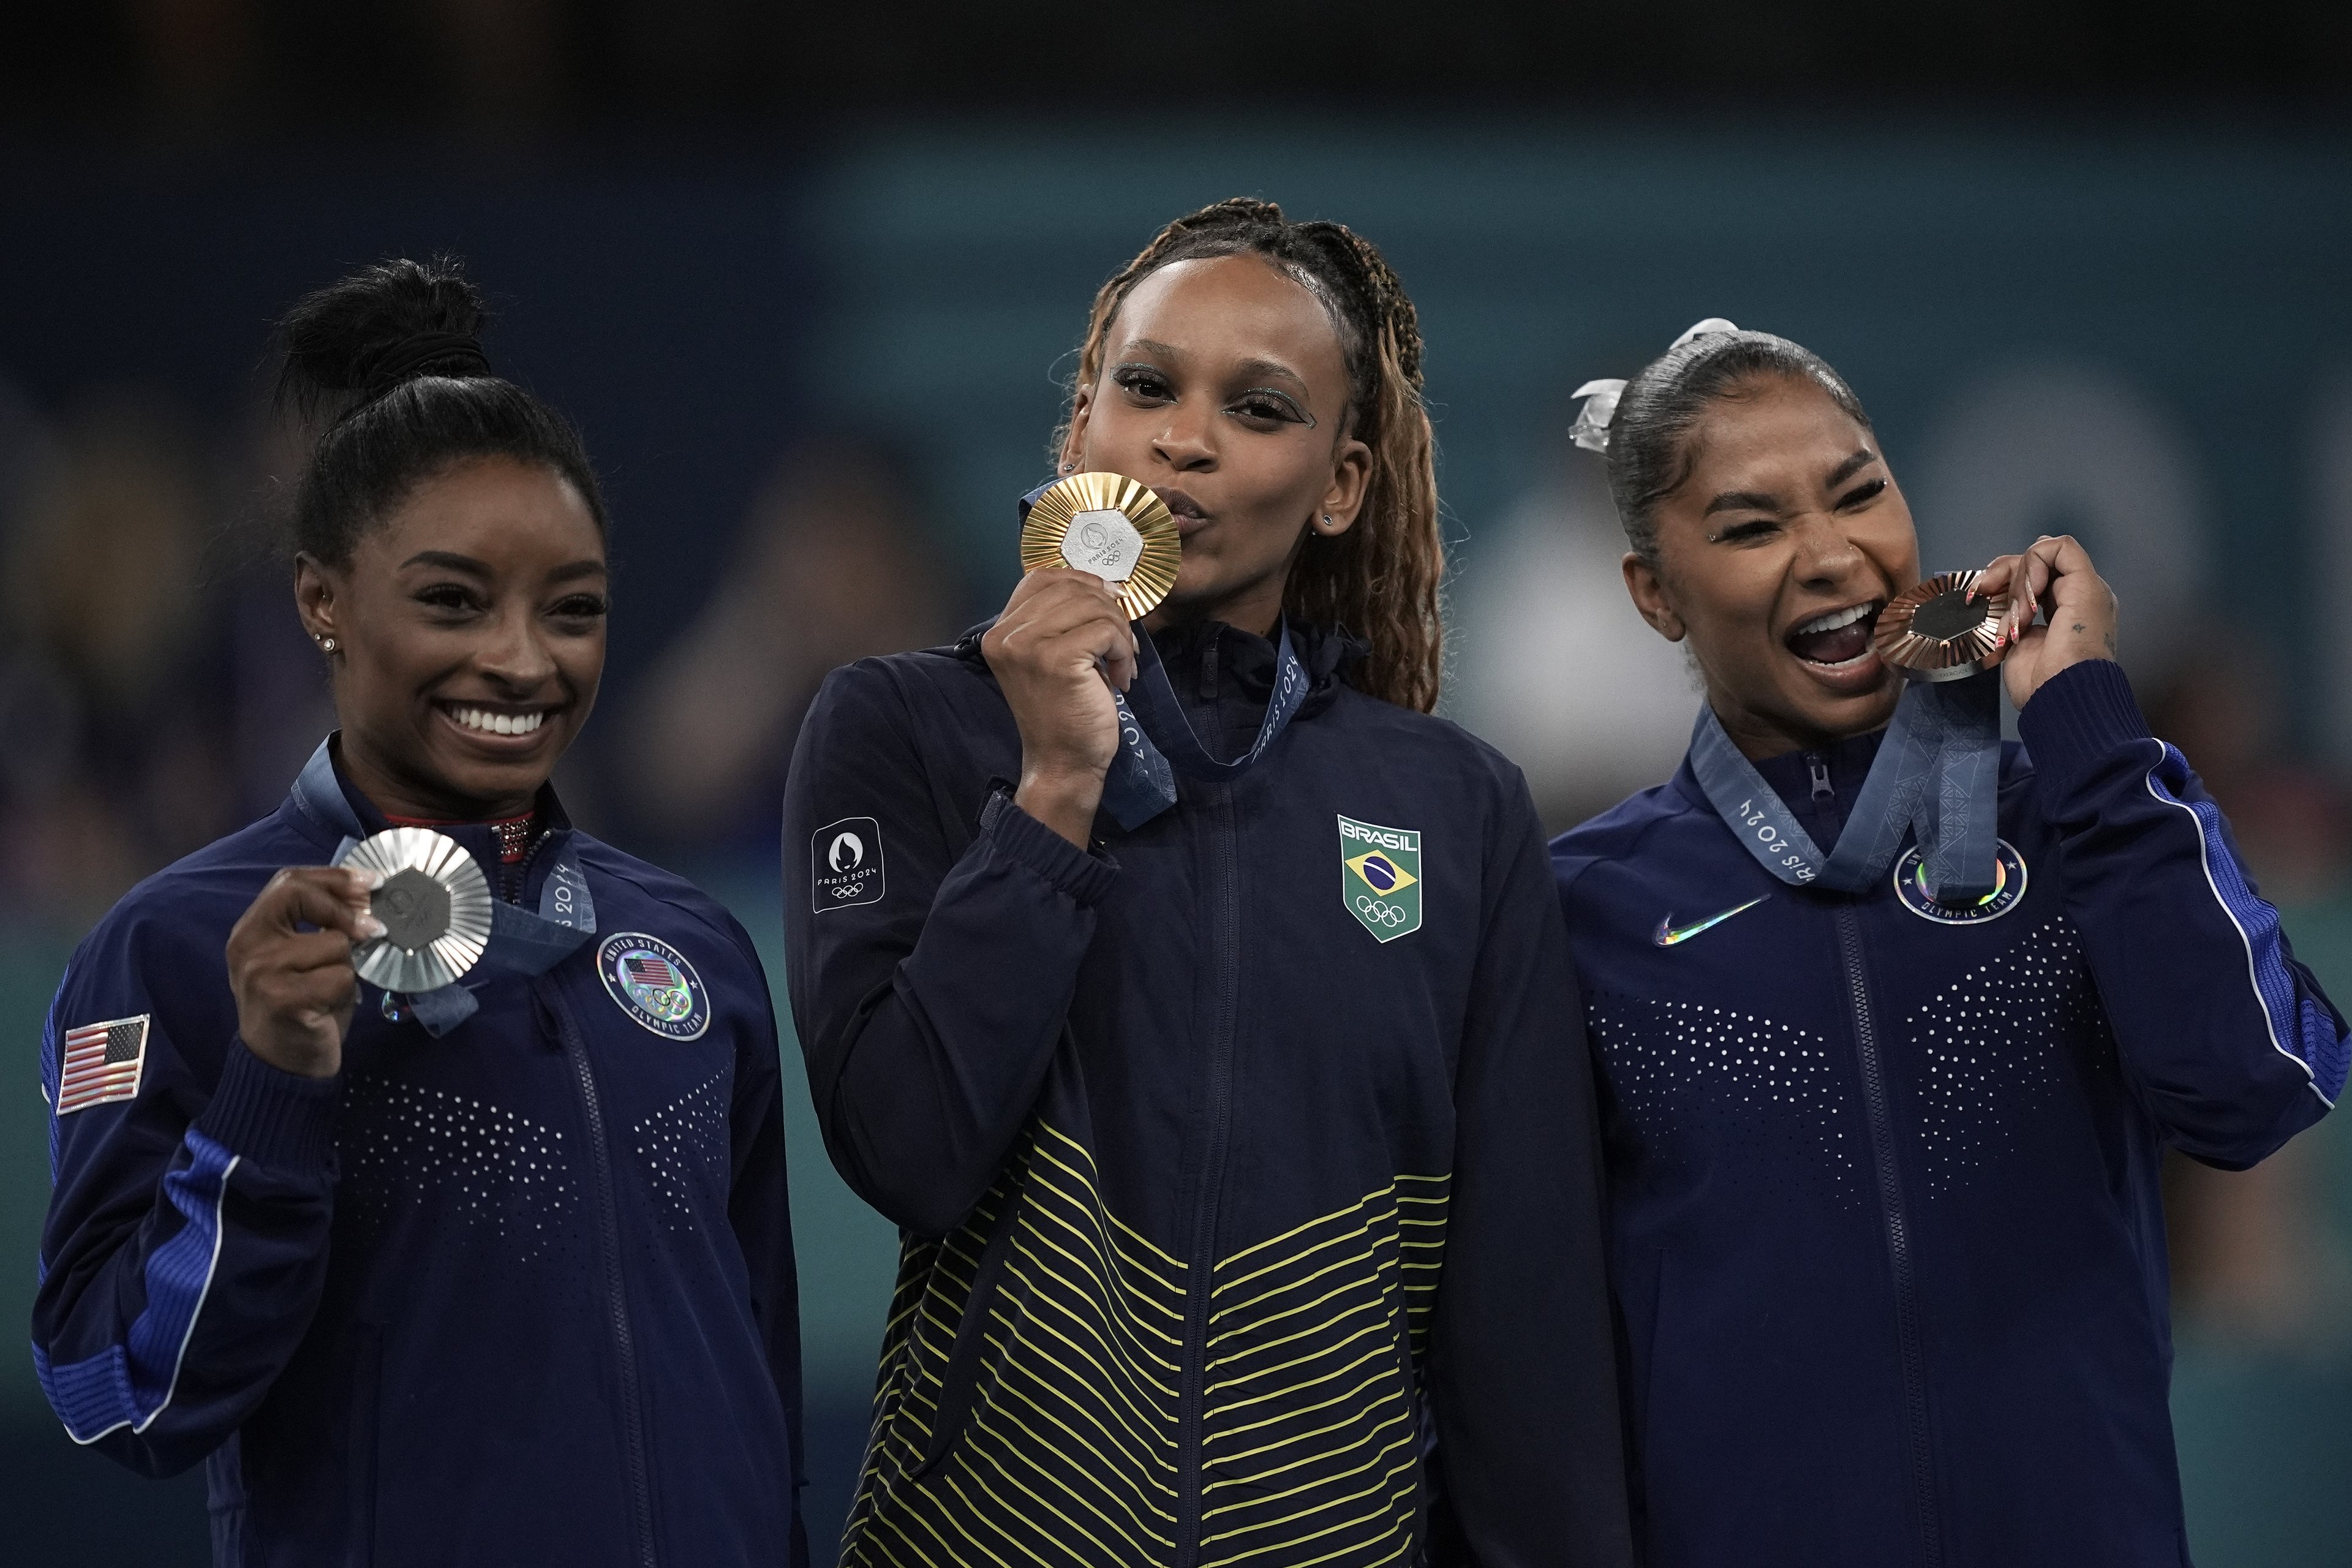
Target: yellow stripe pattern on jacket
1027, 1407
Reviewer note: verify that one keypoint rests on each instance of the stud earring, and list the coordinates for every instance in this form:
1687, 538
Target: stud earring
326, 645
1067, 467
1326, 523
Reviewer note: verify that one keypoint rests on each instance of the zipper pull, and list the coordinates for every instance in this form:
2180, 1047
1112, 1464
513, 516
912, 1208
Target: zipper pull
1821, 766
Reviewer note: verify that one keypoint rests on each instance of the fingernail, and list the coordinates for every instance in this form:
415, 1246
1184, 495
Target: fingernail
368, 880
370, 928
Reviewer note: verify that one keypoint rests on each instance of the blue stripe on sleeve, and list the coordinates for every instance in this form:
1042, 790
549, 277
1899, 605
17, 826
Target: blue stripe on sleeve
50, 1070
2300, 1030
128, 1385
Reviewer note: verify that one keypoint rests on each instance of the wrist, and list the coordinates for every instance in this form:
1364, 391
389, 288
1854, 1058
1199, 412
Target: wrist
1062, 799
258, 1111
303, 1058
2056, 662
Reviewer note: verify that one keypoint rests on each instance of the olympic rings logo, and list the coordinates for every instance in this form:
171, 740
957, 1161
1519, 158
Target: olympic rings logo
1380, 909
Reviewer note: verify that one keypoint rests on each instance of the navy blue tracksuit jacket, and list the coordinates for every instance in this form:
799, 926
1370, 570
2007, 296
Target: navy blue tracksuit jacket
1235, 1159
521, 1294
1889, 1247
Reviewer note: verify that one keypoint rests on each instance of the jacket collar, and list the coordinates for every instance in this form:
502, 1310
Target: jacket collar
330, 809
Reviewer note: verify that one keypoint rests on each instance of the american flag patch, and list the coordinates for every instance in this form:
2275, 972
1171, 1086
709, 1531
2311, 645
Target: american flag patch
645, 969
103, 1062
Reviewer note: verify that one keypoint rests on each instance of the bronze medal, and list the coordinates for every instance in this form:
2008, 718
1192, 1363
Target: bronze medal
1936, 632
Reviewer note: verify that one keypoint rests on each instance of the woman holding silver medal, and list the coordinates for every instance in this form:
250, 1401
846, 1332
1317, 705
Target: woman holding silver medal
1894, 1021
445, 1219
1228, 1194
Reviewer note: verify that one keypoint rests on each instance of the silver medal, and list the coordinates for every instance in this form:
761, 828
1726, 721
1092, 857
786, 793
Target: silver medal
435, 904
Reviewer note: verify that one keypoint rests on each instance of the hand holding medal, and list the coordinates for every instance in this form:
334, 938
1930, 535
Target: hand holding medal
2053, 575
289, 967
1100, 552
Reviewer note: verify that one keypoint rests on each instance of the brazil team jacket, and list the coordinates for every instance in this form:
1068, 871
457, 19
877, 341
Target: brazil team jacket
521, 1294
1237, 1160
1888, 1244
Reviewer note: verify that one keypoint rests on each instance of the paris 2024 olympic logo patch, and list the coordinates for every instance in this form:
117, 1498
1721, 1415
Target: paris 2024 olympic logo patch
655, 984
846, 864
1379, 876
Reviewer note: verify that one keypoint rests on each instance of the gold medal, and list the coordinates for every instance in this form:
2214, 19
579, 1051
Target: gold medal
1108, 526
435, 904
1936, 632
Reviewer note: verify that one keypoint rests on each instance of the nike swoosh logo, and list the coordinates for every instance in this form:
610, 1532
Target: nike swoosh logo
1667, 935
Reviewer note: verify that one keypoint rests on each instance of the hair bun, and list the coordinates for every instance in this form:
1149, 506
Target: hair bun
356, 340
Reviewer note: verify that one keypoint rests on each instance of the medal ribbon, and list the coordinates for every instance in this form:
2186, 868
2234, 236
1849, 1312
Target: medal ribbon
1140, 782
520, 942
1935, 777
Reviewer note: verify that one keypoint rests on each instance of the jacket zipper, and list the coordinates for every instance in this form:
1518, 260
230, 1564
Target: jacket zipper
1224, 906
1898, 1237
618, 1304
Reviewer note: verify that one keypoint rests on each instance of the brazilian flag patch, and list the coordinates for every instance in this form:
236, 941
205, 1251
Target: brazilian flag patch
1379, 876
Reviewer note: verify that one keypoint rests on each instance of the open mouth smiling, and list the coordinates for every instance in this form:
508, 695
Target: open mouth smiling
1838, 640
478, 719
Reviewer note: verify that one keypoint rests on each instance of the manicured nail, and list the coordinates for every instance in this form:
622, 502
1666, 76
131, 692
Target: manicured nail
369, 927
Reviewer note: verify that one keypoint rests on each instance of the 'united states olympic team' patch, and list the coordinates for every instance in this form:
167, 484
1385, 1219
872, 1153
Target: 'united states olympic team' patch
2008, 889
655, 984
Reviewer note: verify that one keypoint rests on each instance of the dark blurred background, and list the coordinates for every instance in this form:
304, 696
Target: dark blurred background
809, 279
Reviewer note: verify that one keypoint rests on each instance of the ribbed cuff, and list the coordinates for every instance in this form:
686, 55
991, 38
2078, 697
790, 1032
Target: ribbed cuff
1022, 837
272, 1117
2078, 717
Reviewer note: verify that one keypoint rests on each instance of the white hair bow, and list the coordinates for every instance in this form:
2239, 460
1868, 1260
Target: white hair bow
1712, 324
1591, 430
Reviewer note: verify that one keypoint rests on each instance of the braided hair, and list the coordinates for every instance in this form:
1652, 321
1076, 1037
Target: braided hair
1381, 579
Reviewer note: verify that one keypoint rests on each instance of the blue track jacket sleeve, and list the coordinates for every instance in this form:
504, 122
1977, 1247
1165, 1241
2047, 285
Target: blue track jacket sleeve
186, 1239
2228, 1041
1523, 1353
759, 1208
930, 1011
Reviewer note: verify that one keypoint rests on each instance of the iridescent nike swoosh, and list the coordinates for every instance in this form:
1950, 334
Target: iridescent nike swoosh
1667, 935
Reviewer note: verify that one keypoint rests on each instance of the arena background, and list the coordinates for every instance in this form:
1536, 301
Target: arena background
810, 286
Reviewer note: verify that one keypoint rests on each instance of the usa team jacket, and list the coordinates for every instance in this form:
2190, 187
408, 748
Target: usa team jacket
1234, 1167
522, 1294
1888, 1244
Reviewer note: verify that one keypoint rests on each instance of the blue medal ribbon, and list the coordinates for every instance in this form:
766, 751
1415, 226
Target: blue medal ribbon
520, 942
1140, 782
1935, 777
1156, 741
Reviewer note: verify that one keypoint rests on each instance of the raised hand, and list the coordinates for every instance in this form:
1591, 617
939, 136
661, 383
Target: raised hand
1061, 645
295, 988
2054, 576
